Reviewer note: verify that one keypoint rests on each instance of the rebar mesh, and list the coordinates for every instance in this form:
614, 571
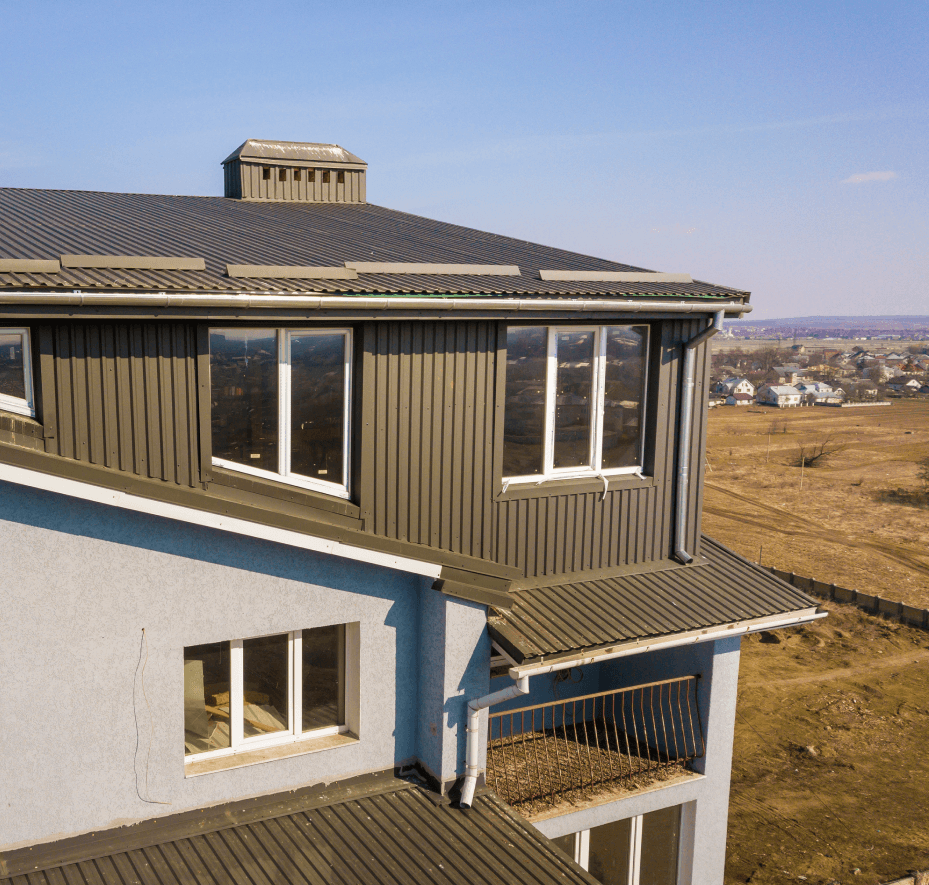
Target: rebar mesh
628, 737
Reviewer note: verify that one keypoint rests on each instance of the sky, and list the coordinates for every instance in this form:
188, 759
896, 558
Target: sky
779, 147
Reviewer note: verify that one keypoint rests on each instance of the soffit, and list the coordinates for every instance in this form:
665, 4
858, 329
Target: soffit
45, 224
396, 834
589, 614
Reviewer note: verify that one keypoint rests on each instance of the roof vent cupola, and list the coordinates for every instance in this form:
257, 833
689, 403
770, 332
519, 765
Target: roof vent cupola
295, 172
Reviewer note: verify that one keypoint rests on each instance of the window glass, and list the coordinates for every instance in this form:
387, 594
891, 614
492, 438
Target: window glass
624, 400
323, 677
244, 382
12, 371
206, 697
573, 391
661, 833
524, 410
265, 701
608, 861
566, 844
318, 405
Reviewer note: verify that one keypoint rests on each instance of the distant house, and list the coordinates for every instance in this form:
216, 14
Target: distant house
813, 392
735, 385
781, 395
814, 387
909, 386
790, 374
739, 399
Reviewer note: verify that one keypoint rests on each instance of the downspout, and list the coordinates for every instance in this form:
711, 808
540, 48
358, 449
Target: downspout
473, 751
683, 451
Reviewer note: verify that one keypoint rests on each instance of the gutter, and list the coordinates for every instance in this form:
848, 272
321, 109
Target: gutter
740, 628
473, 751
683, 453
78, 298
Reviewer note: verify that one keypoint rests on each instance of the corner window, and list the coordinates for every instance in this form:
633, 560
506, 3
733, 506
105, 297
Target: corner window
640, 850
252, 693
280, 404
575, 401
16, 372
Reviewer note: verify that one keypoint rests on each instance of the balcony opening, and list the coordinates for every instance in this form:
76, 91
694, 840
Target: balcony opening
570, 750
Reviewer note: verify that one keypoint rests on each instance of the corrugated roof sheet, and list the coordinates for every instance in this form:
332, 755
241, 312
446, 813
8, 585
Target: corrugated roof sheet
398, 836
590, 614
44, 224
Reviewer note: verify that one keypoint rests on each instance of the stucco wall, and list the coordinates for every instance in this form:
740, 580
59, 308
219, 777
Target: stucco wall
82, 747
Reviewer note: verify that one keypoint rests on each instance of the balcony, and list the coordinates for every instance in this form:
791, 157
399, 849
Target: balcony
570, 750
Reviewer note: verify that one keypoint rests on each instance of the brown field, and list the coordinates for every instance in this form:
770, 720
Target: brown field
837, 528
854, 688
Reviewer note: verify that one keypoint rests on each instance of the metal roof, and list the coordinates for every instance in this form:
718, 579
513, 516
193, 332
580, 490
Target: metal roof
590, 614
397, 834
44, 224
298, 151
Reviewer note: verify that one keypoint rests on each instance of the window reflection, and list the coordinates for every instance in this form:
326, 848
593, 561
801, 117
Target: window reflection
623, 400
206, 698
323, 677
12, 373
524, 410
244, 383
573, 391
265, 707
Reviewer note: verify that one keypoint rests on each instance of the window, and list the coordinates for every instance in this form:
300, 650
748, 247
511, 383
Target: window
280, 404
575, 400
640, 850
253, 693
16, 372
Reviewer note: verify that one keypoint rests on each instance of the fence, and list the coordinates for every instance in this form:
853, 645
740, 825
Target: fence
628, 736
875, 605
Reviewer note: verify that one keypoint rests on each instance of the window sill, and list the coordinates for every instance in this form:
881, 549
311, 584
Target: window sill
268, 754
574, 485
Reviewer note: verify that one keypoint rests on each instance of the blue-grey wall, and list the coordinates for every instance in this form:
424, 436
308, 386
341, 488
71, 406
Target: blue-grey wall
83, 747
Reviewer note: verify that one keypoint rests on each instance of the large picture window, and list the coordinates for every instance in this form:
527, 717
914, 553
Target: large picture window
16, 372
280, 404
575, 401
251, 693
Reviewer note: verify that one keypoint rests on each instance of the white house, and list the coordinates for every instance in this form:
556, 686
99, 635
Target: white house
781, 395
735, 385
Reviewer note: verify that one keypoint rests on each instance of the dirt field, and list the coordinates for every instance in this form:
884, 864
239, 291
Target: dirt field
831, 770
854, 688
836, 528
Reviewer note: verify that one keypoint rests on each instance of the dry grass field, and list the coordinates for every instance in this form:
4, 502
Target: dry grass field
838, 527
831, 769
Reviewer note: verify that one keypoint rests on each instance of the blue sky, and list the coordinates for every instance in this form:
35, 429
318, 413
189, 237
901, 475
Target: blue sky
779, 147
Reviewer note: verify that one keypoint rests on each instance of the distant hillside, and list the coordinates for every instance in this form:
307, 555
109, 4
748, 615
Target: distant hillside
878, 323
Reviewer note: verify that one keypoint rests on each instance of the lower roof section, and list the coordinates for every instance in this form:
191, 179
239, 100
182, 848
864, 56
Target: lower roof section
375, 829
581, 618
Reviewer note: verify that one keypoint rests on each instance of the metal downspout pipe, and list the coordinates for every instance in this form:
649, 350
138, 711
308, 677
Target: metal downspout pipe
473, 750
683, 452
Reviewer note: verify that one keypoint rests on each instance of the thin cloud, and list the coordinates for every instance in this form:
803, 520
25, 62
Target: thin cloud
862, 177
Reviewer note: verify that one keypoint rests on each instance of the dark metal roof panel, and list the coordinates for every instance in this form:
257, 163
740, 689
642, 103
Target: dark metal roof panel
590, 614
44, 224
394, 836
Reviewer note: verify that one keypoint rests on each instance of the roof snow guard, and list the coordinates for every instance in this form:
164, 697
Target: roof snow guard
295, 172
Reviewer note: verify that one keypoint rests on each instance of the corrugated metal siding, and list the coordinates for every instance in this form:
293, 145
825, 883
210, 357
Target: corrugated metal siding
554, 534
122, 396
245, 180
573, 616
401, 837
428, 413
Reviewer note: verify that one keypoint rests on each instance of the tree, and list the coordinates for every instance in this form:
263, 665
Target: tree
814, 454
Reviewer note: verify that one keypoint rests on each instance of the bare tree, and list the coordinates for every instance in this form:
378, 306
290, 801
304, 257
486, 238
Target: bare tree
814, 454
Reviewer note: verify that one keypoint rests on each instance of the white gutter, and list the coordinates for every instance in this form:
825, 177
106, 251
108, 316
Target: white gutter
683, 453
473, 750
692, 637
78, 298
87, 492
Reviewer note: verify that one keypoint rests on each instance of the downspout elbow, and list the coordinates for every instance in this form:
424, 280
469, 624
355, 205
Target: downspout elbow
473, 749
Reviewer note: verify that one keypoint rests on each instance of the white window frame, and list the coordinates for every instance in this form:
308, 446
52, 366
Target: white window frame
238, 743
582, 849
283, 474
598, 389
21, 406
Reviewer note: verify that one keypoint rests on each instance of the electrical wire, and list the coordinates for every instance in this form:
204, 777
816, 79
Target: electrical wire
143, 643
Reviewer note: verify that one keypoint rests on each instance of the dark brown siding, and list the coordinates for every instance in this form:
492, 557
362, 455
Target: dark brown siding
428, 429
122, 396
556, 533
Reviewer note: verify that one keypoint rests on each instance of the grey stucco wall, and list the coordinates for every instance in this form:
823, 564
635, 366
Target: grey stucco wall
83, 748
706, 800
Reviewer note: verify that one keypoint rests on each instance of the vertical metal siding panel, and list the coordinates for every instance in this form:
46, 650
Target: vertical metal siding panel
425, 377
597, 539
124, 393
393, 401
481, 478
449, 502
363, 196
47, 380
468, 479
110, 398
165, 411
699, 443
96, 450
193, 422
201, 368
417, 451
367, 490
457, 375
140, 440
64, 397
405, 438
437, 338
79, 392
381, 432
670, 385
179, 395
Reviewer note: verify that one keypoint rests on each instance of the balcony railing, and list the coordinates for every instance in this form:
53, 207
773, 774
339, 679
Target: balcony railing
627, 738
